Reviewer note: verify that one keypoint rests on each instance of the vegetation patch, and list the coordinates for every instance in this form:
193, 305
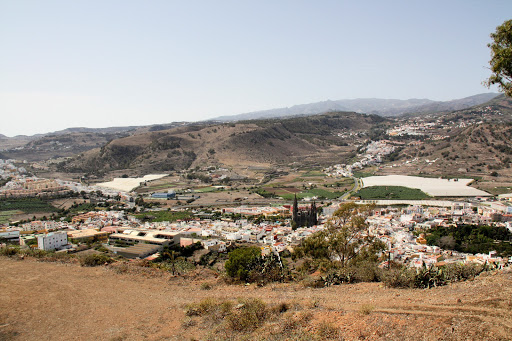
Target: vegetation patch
391, 192
27, 205
157, 216
242, 316
289, 193
5, 216
472, 239
95, 259
313, 173
206, 189
315, 192
429, 277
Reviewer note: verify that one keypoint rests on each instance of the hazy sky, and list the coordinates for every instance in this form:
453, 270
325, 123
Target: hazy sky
98, 63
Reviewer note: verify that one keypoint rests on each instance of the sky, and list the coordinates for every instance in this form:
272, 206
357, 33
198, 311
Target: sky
97, 63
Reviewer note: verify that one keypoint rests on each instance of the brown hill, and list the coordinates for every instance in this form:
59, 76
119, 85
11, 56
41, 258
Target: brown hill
53, 301
306, 139
472, 142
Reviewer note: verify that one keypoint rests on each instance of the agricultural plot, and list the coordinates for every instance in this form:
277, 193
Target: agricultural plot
5, 216
207, 189
29, 205
431, 186
158, 216
128, 184
289, 193
391, 192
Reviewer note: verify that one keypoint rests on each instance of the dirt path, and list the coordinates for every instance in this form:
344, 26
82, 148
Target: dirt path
54, 301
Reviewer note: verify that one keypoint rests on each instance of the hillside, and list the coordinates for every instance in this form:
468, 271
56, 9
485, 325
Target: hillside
69, 142
311, 140
472, 142
116, 303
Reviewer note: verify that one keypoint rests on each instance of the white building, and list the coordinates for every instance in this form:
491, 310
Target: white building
52, 241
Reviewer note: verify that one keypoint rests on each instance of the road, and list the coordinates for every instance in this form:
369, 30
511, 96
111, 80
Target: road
357, 185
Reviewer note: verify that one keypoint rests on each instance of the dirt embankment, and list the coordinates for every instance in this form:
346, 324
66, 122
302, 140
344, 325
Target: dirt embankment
54, 301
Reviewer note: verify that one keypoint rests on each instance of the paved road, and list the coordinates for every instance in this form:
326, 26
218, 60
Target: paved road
353, 190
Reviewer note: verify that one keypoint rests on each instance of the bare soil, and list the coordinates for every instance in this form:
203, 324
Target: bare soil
63, 301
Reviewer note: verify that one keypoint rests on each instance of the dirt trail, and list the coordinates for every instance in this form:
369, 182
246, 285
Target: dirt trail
54, 301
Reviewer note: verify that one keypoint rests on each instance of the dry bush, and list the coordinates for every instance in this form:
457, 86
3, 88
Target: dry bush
398, 278
461, 272
8, 251
248, 315
95, 260
230, 319
311, 282
366, 309
206, 286
327, 331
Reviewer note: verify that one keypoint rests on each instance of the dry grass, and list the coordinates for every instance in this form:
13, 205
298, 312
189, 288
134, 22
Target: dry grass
118, 302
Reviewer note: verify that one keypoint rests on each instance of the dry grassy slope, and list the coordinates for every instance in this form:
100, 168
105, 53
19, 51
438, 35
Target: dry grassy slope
260, 142
62, 145
476, 150
53, 301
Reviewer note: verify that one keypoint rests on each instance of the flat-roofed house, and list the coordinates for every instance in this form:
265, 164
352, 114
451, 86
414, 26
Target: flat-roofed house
155, 237
52, 241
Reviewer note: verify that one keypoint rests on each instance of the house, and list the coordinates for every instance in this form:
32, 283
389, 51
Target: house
10, 236
155, 237
52, 241
88, 235
168, 195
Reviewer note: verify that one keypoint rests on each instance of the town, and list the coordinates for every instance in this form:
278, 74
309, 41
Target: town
400, 225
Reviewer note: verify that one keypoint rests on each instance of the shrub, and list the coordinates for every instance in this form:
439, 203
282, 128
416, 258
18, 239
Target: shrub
359, 272
211, 307
327, 331
311, 282
398, 278
206, 286
95, 260
249, 315
36, 253
461, 272
366, 309
240, 262
8, 251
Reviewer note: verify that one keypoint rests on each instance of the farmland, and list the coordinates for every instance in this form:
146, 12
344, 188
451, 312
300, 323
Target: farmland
391, 192
29, 205
164, 216
431, 186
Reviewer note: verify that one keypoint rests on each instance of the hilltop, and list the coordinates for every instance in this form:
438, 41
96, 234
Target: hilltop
112, 303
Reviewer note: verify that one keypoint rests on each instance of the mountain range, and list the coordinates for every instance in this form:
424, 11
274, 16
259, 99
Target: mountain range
382, 107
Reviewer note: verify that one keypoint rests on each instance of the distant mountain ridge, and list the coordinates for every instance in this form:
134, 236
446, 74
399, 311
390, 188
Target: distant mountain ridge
382, 107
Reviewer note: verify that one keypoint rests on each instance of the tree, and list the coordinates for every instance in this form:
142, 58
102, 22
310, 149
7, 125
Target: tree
344, 239
241, 261
501, 58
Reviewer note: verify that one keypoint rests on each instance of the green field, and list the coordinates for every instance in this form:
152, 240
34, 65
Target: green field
206, 189
359, 174
289, 193
391, 192
315, 192
27, 205
164, 216
5, 216
312, 173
